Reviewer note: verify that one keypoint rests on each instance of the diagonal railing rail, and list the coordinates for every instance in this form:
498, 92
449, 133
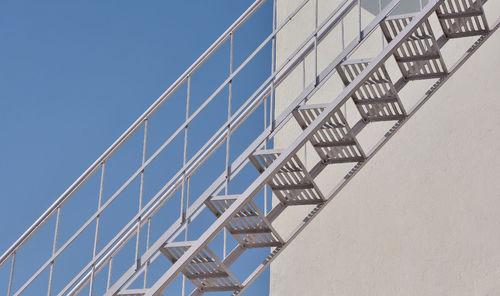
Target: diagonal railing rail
413, 26
189, 167
188, 211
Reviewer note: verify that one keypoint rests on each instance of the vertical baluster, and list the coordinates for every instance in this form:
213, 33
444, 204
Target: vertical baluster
185, 205
265, 103
273, 65
265, 115
228, 137
342, 33
188, 191
304, 74
186, 132
272, 96
54, 248
110, 269
265, 143
265, 147
11, 278
186, 232
381, 33
316, 11
304, 87
97, 226
359, 20
147, 247
141, 191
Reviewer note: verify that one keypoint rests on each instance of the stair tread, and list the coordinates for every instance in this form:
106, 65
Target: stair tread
186, 244
203, 268
291, 182
268, 151
376, 99
249, 226
333, 134
419, 54
401, 16
357, 61
225, 197
132, 292
464, 20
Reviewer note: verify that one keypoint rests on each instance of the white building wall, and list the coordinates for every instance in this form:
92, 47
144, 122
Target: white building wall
423, 216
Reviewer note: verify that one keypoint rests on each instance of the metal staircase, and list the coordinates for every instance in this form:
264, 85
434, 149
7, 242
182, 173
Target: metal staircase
198, 266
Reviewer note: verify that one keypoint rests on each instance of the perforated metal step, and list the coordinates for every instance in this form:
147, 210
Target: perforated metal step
376, 99
462, 18
419, 56
249, 226
133, 292
205, 271
292, 184
334, 142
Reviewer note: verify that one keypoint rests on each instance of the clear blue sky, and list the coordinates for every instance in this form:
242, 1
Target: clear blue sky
75, 74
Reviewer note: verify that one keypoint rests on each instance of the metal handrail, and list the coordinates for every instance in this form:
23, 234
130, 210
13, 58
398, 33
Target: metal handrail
171, 186
211, 145
129, 132
239, 116
324, 28
138, 123
256, 186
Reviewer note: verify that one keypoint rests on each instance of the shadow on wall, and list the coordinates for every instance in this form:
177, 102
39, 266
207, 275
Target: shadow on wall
406, 6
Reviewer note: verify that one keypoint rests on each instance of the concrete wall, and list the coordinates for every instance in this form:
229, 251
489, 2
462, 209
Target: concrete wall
423, 216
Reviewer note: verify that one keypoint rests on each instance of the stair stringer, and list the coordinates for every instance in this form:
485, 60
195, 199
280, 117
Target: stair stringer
215, 228
294, 148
